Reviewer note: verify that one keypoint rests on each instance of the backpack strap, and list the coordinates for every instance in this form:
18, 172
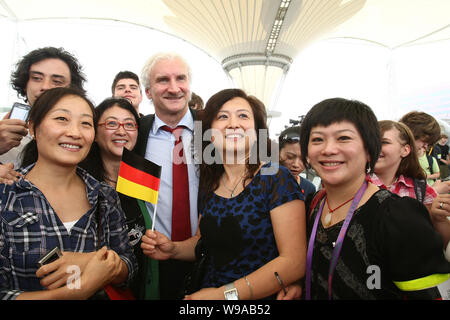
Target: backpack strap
420, 188
316, 200
430, 160
430, 163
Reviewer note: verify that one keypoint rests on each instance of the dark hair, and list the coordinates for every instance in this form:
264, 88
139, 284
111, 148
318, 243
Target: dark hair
423, 126
196, 102
290, 135
210, 173
44, 103
125, 75
337, 110
409, 165
93, 163
20, 77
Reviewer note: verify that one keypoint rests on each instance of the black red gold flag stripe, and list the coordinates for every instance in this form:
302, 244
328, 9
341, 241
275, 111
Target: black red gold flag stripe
138, 177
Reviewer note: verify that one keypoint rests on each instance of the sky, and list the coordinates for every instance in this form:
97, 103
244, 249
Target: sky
390, 82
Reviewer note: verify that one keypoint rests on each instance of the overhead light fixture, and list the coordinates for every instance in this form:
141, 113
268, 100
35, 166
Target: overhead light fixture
276, 27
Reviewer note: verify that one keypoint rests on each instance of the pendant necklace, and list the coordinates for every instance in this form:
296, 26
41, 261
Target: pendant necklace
327, 219
232, 190
338, 244
110, 180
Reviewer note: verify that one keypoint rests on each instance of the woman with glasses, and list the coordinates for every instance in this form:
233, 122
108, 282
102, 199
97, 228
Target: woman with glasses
117, 122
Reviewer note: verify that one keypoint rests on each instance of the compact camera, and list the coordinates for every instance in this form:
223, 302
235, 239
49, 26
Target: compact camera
53, 255
20, 111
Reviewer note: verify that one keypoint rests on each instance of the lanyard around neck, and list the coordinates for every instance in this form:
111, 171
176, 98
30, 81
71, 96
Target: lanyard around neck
338, 245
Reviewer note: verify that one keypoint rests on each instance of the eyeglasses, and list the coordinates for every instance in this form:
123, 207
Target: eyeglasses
115, 125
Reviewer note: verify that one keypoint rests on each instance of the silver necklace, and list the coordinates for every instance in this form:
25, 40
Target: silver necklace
231, 190
110, 180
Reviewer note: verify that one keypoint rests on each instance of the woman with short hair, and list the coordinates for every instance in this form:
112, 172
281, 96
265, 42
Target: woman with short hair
364, 243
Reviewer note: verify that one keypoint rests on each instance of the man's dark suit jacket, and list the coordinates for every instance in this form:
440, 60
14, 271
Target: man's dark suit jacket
145, 125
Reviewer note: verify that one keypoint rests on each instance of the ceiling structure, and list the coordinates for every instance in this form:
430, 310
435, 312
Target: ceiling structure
256, 41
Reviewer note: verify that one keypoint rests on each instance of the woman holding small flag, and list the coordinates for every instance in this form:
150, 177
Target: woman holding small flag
62, 233
117, 125
252, 226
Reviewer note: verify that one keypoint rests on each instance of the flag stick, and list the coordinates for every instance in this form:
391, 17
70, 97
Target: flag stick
154, 217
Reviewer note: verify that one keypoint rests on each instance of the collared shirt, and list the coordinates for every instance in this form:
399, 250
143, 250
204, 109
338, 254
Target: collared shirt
14, 154
404, 187
30, 228
423, 161
160, 151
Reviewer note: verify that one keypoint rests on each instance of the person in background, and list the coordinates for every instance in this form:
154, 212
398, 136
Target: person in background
126, 85
80, 216
440, 151
291, 158
429, 164
196, 102
440, 216
38, 71
398, 169
355, 224
426, 131
252, 214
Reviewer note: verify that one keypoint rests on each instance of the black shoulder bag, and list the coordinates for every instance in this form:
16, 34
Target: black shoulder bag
193, 281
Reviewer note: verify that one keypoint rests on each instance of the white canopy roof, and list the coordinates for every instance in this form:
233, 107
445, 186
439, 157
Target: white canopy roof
229, 27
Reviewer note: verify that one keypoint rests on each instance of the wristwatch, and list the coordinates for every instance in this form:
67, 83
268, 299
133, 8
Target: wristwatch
231, 292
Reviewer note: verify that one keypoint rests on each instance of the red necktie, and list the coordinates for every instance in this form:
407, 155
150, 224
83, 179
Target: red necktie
181, 219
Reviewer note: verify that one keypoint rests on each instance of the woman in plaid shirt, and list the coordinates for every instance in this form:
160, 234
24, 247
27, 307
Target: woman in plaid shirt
398, 168
399, 171
57, 204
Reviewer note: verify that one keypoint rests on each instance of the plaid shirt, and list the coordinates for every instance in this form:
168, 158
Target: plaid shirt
404, 187
29, 228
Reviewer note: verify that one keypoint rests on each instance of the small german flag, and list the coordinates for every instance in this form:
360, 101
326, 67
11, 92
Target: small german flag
138, 177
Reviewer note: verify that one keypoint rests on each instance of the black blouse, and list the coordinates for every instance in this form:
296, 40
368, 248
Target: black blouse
390, 238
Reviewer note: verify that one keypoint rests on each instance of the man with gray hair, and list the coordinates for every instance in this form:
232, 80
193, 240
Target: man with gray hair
165, 138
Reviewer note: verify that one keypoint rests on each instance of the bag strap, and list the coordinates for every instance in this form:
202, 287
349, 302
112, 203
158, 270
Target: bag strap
430, 160
420, 188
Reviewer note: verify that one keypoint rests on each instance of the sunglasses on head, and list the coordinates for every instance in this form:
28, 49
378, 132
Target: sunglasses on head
288, 138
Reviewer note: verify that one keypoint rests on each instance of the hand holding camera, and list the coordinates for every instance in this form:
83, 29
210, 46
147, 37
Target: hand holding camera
13, 127
53, 267
19, 111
